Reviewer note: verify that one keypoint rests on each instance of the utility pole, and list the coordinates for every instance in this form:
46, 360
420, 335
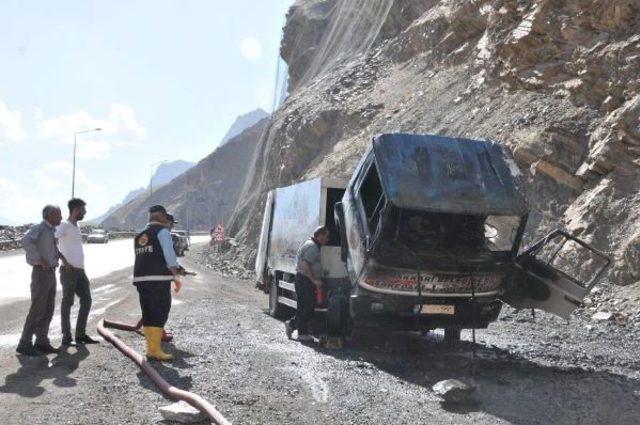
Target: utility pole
75, 148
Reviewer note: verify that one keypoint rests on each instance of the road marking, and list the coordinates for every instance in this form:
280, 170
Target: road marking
102, 310
9, 340
107, 288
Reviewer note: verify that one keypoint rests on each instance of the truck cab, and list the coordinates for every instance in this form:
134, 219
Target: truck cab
431, 229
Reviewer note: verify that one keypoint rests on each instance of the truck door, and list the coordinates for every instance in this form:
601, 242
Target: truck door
555, 274
263, 245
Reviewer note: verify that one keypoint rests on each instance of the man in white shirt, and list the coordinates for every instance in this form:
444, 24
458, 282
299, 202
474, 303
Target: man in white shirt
72, 276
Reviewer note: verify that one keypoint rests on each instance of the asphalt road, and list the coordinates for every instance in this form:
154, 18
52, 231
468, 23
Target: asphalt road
100, 260
528, 371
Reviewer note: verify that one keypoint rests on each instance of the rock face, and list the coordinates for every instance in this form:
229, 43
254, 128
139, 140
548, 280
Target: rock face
202, 196
557, 82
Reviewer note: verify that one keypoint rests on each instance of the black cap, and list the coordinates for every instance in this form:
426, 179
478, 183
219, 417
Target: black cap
157, 208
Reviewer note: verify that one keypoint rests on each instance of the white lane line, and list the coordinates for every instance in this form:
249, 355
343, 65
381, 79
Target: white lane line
9, 340
102, 310
107, 288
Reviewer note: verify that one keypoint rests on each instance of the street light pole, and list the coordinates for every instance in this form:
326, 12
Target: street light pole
75, 148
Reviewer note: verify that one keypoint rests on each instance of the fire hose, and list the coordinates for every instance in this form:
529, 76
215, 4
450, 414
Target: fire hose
173, 392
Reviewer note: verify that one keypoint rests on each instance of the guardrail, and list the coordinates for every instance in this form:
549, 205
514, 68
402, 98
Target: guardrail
7, 244
122, 235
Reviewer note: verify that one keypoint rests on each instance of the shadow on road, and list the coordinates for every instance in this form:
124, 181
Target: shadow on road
27, 380
169, 372
515, 389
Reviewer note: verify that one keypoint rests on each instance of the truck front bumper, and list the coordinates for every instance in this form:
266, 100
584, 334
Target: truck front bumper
404, 312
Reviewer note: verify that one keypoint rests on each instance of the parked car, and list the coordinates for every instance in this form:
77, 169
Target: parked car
181, 242
98, 236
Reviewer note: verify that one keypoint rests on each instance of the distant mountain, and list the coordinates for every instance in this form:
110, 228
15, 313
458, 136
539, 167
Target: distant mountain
6, 222
130, 197
168, 171
242, 123
202, 196
165, 172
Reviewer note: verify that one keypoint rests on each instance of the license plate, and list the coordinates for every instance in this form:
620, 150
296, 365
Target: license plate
438, 309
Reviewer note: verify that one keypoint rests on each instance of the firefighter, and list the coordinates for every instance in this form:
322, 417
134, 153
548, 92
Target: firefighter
155, 268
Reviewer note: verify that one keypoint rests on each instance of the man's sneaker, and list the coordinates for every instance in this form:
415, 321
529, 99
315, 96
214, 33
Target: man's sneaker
288, 328
46, 348
305, 338
27, 350
86, 339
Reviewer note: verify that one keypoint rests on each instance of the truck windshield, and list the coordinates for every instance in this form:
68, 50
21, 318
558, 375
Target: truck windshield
452, 233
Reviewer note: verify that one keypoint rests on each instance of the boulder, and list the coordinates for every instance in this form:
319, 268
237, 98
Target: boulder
181, 412
455, 391
602, 316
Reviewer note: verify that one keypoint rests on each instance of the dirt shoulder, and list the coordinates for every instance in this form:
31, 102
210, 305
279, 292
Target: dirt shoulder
237, 357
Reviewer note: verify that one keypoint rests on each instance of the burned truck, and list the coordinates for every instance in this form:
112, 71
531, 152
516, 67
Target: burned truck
429, 230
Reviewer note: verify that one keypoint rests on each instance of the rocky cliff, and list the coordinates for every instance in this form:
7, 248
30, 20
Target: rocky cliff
203, 195
558, 82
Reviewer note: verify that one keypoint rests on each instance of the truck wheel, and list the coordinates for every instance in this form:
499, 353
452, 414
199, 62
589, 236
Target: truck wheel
276, 309
452, 336
334, 313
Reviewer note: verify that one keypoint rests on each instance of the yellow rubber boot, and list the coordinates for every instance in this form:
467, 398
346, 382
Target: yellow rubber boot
154, 347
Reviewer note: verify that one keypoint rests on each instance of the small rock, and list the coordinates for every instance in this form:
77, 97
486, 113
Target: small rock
621, 318
602, 316
181, 412
455, 391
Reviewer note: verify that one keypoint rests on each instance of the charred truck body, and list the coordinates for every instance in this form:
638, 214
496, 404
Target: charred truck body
429, 230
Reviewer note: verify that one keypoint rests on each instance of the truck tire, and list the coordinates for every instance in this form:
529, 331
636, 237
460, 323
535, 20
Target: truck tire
452, 336
334, 313
276, 310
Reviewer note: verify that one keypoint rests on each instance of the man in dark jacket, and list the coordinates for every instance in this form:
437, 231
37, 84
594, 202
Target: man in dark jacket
155, 268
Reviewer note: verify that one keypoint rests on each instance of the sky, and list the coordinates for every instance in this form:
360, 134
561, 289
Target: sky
164, 80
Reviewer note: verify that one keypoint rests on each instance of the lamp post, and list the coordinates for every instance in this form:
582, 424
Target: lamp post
75, 147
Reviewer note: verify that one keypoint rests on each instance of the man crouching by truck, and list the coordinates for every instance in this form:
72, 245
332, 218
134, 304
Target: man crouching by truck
308, 281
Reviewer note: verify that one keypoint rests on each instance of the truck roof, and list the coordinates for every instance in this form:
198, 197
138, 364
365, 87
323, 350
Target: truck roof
445, 174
